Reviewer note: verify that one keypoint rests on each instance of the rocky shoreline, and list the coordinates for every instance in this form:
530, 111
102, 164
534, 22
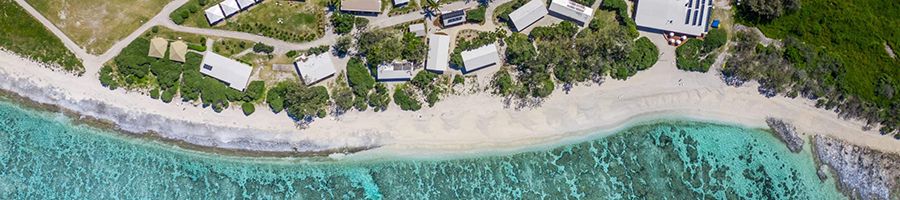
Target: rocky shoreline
863, 173
786, 133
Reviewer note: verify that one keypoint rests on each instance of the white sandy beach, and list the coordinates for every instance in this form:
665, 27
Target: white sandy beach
457, 124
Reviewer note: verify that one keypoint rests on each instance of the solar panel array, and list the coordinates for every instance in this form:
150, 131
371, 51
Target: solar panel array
696, 11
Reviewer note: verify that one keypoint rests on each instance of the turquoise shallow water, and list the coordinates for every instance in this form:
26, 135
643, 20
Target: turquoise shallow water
44, 156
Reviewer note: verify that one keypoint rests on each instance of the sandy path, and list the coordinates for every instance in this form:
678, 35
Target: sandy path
468, 123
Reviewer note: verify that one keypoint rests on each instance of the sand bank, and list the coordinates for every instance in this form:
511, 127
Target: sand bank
457, 124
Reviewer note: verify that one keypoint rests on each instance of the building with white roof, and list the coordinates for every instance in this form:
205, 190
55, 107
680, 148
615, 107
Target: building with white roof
479, 58
314, 69
398, 3
395, 71
214, 14
453, 18
229, 7
361, 6
235, 74
682, 16
570, 10
245, 4
438, 53
529, 13
418, 29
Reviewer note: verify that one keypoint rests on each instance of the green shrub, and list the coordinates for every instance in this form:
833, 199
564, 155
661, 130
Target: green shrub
714, 39
248, 108
291, 53
191, 79
275, 99
406, 99
154, 93
379, 99
690, 57
519, 49
458, 79
476, 15
169, 94
197, 47
255, 91
342, 23
167, 72
303, 102
359, 78
259, 47
643, 55
107, 77
503, 83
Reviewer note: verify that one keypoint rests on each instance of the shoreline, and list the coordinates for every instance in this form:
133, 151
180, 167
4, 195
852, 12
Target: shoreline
457, 125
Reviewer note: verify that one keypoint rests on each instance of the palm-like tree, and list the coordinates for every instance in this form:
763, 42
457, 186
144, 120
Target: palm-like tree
431, 7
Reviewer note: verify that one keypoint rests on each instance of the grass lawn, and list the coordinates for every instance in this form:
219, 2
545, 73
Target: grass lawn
855, 33
284, 20
228, 47
97, 24
24, 35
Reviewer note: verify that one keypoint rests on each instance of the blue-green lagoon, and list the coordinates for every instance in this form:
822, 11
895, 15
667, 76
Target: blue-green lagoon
47, 156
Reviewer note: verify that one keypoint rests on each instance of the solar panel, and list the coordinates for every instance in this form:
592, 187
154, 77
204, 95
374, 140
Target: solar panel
687, 16
697, 12
690, 3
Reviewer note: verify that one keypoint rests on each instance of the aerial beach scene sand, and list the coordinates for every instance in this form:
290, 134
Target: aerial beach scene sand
758, 114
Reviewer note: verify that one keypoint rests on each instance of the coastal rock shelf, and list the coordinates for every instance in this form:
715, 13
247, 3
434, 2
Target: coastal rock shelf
863, 172
787, 133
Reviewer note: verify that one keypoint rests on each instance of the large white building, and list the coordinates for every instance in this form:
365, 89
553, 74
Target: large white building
396, 71
438, 53
314, 69
229, 7
572, 11
529, 13
681, 16
214, 14
235, 74
479, 58
361, 6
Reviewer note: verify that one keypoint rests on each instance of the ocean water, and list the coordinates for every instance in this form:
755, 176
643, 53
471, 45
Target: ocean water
44, 156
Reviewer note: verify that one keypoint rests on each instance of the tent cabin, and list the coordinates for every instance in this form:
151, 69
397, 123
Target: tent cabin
233, 73
245, 4
397, 71
364, 7
689, 17
214, 14
572, 11
480, 58
229, 7
177, 51
158, 48
314, 69
453, 18
529, 13
417, 29
438, 53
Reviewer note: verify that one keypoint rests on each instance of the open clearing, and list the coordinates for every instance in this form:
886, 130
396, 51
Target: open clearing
97, 24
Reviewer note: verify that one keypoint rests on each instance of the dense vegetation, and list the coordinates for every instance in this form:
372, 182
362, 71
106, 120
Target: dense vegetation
384, 45
431, 85
568, 56
798, 69
698, 55
22, 34
857, 38
766, 10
